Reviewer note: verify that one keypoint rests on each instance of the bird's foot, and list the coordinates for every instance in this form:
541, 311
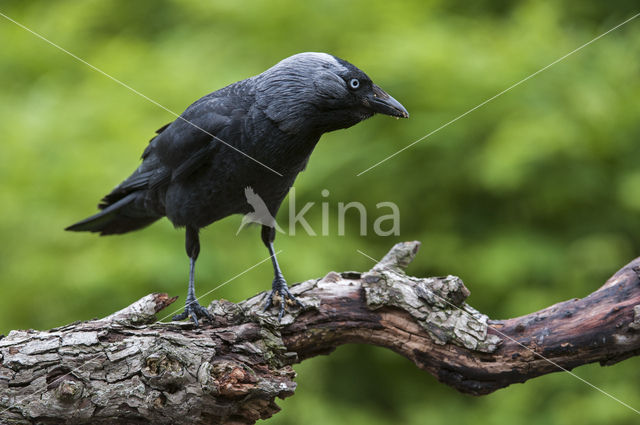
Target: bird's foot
194, 311
281, 290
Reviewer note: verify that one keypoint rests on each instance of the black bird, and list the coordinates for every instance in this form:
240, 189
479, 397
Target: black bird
256, 133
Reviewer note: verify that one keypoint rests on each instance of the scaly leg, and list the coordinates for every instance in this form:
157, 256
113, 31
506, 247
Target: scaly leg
192, 308
279, 286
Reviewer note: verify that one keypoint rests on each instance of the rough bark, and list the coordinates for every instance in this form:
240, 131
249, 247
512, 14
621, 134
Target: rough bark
129, 369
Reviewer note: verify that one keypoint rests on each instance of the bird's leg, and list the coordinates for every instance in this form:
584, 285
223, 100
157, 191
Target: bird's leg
192, 308
279, 286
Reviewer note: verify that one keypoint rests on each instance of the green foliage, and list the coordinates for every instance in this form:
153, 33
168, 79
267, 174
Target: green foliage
531, 199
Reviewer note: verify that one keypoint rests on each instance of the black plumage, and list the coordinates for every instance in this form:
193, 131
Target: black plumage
256, 133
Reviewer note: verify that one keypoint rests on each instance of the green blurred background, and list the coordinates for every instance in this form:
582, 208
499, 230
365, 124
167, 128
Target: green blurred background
532, 199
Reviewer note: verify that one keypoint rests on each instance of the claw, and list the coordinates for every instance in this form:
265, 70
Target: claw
194, 311
281, 289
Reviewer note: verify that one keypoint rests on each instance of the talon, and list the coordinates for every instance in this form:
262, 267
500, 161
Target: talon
180, 316
193, 310
268, 304
280, 289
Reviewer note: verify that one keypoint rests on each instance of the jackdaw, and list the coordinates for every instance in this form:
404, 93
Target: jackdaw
256, 133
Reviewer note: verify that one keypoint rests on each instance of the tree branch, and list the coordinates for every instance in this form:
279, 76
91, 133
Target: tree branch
129, 369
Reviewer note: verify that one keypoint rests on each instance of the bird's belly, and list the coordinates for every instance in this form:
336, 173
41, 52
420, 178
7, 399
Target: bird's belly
199, 203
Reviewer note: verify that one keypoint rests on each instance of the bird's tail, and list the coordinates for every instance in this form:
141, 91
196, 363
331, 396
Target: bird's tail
121, 216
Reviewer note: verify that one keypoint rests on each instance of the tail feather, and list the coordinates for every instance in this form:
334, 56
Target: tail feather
116, 218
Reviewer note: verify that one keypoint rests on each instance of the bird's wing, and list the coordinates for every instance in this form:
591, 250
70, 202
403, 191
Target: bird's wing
149, 147
182, 146
149, 175
194, 138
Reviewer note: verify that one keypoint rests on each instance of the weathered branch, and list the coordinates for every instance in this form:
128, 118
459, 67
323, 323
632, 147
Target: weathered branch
127, 368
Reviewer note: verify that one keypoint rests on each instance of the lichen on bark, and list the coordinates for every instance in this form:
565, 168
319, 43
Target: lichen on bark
437, 303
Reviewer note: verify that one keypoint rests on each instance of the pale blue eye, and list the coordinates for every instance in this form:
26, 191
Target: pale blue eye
354, 83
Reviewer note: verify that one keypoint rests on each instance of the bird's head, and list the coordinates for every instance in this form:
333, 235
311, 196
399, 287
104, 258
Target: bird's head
320, 92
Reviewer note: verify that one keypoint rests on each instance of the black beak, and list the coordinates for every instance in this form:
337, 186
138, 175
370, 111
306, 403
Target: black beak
381, 103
